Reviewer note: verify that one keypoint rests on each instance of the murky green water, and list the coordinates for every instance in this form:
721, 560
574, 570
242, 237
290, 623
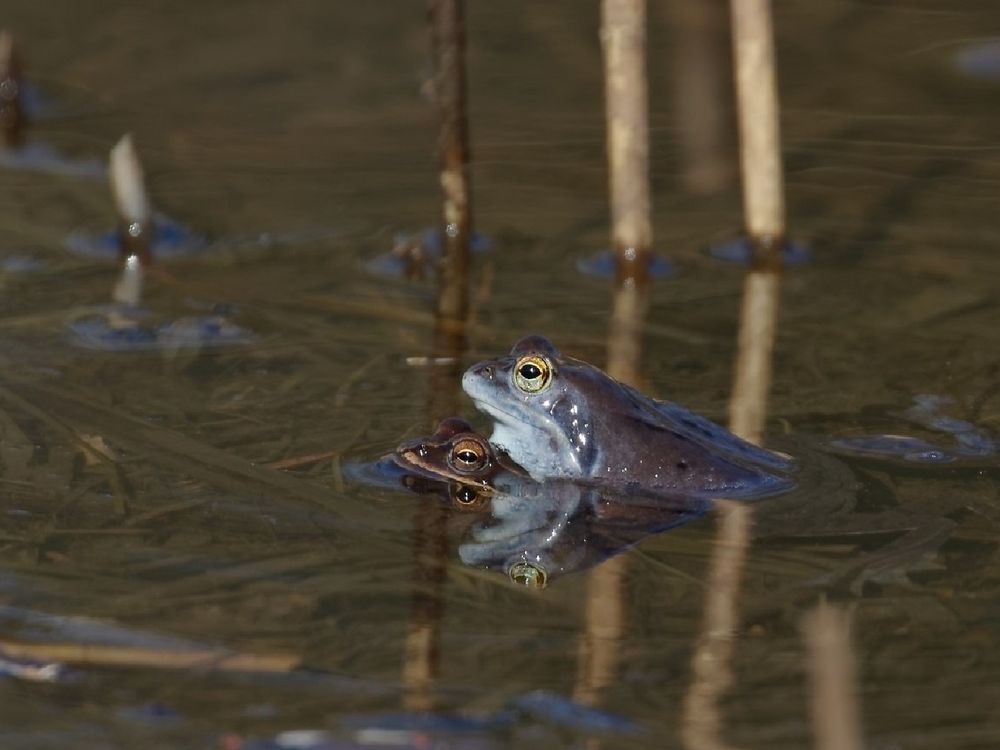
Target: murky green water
305, 120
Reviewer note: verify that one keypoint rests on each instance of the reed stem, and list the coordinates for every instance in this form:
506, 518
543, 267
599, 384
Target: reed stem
128, 191
623, 39
448, 44
763, 206
12, 118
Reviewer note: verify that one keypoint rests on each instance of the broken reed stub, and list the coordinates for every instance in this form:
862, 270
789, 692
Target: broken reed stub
128, 188
128, 191
128, 289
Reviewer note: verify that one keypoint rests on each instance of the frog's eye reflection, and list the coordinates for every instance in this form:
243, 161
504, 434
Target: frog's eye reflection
528, 574
468, 456
532, 373
468, 498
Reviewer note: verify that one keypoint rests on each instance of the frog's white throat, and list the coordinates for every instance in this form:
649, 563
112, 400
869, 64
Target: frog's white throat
528, 444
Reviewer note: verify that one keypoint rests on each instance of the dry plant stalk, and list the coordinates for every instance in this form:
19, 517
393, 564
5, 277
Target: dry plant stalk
12, 119
763, 204
448, 42
420, 660
760, 131
835, 714
623, 39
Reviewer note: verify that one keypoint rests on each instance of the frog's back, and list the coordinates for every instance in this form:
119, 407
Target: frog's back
713, 437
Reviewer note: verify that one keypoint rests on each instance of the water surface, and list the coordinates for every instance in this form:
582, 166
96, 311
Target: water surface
306, 120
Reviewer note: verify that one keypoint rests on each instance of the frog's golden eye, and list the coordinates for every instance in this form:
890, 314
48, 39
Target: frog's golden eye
468, 456
532, 374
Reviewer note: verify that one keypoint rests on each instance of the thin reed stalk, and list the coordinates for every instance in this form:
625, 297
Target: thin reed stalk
12, 117
763, 205
448, 43
135, 220
623, 40
760, 131
421, 653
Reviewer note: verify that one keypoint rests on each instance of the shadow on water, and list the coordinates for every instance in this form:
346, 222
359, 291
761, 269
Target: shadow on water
140, 522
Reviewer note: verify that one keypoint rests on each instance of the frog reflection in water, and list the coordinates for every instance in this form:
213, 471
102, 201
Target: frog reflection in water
563, 418
534, 531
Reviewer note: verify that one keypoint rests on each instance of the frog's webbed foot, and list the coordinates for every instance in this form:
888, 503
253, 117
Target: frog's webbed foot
892, 565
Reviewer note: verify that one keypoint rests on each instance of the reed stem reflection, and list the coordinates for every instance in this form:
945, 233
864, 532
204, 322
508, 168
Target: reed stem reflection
833, 695
763, 205
702, 82
623, 37
421, 651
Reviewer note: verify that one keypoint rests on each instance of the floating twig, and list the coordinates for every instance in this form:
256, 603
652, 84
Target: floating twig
99, 655
298, 462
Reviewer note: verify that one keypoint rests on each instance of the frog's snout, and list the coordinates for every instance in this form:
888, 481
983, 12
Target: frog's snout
477, 375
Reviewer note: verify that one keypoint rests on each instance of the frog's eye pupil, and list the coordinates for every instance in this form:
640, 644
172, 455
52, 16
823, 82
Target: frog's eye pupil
530, 371
468, 457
